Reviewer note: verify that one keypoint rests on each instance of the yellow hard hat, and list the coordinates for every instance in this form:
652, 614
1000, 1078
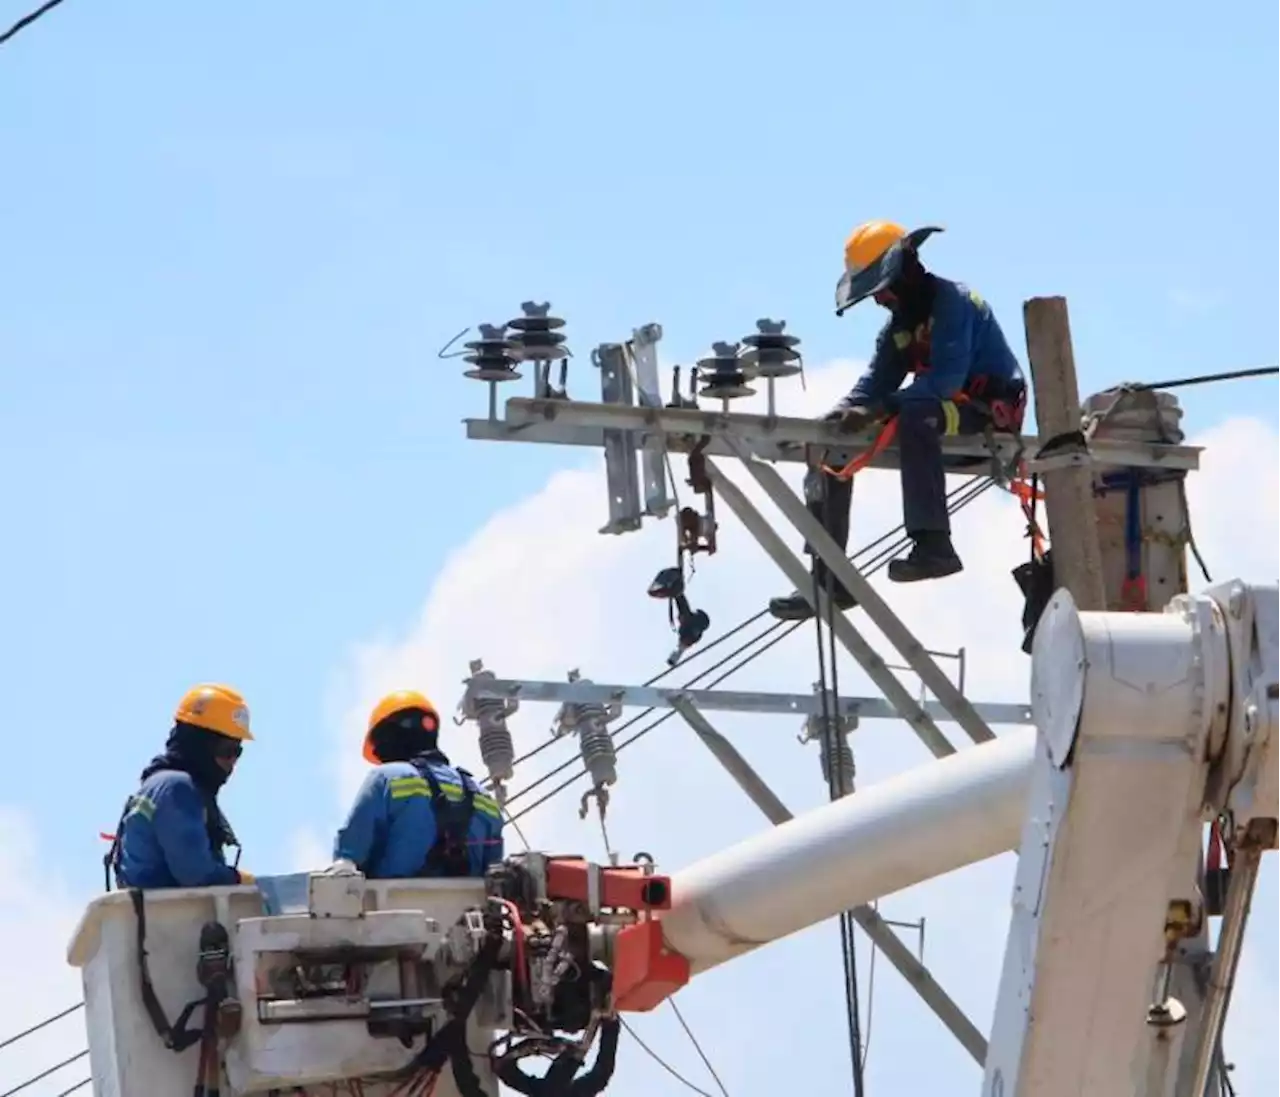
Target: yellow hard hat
402, 700
215, 708
873, 256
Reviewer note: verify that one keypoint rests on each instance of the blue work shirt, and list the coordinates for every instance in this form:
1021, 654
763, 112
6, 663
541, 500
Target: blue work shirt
392, 825
164, 842
960, 341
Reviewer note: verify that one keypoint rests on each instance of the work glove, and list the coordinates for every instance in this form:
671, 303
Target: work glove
245, 877
342, 867
854, 419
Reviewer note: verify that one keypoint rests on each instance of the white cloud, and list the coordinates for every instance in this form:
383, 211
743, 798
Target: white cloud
37, 916
538, 591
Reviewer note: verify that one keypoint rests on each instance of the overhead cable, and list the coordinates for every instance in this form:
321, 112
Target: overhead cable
37, 1027
697, 1047
958, 498
28, 19
663, 1063
45, 1074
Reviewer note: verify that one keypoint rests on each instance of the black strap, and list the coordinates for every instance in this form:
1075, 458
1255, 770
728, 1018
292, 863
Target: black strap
177, 1037
448, 853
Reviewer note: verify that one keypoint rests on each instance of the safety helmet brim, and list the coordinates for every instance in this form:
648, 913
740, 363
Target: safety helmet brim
858, 285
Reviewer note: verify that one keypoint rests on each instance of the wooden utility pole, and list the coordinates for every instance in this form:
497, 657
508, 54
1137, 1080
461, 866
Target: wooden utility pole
1068, 488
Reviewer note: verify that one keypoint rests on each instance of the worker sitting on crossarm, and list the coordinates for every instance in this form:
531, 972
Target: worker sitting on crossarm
966, 378
172, 832
416, 814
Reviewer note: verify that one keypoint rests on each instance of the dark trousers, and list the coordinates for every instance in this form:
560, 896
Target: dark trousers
921, 427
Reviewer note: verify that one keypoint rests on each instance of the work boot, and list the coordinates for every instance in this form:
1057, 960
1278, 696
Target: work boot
932, 556
795, 607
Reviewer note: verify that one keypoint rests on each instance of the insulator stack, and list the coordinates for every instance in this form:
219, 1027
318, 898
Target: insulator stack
722, 375
497, 748
836, 756
493, 356
599, 754
591, 722
537, 336
771, 352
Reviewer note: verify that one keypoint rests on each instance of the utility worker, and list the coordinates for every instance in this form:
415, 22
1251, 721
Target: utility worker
966, 380
416, 814
172, 832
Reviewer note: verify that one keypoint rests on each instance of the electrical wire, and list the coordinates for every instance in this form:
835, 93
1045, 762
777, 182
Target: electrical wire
838, 783
37, 1027
871, 1000
45, 1074
957, 498
663, 1063
1204, 379
28, 19
697, 1047
71, 1089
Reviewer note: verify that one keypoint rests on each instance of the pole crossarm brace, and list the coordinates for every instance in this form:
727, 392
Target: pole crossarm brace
888, 622
776, 438
875, 927
722, 700
854, 642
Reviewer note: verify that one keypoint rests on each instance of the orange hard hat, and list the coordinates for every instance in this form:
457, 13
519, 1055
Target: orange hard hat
402, 700
216, 708
873, 256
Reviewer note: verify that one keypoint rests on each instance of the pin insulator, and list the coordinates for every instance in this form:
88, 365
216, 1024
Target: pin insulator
771, 352
722, 375
537, 337
493, 356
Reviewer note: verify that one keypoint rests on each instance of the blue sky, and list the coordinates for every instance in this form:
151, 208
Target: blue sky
236, 236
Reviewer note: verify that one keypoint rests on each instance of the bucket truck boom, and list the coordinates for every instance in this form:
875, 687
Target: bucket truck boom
1148, 725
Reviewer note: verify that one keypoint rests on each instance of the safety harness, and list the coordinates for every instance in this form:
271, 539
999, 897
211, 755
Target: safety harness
449, 853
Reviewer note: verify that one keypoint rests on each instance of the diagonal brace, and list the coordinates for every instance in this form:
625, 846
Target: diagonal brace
882, 616
795, 570
875, 927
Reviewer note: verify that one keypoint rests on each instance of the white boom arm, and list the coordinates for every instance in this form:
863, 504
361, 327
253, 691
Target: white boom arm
1146, 726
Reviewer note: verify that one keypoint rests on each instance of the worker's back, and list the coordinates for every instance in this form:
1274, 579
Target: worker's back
962, 308
402, 826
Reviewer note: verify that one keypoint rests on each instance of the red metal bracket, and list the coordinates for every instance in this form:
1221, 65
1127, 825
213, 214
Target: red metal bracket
597, 886
645, 971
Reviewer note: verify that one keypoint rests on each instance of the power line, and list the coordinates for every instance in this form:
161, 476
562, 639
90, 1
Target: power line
664, 1064
1204, 379
37, 1027
697, 1047
45, 1074
958, 498
71, 1089
28, 19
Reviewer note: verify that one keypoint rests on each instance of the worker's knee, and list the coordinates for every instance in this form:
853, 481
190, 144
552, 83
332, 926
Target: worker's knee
918, 412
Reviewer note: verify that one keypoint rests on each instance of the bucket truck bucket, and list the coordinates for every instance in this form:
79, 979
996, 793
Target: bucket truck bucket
290, 1012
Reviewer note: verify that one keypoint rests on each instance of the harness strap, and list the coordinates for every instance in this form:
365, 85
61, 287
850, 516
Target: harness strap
177, 1038
449, 850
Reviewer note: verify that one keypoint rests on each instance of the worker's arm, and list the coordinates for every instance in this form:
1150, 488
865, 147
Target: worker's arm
365, 824
950, 349
180, 829
494, 849
880, 380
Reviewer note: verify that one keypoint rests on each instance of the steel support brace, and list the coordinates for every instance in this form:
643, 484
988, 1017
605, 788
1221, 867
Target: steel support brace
792, 566
888, 622
719, 700
877, 930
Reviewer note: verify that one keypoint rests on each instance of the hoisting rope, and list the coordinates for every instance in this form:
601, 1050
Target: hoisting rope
831, 741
